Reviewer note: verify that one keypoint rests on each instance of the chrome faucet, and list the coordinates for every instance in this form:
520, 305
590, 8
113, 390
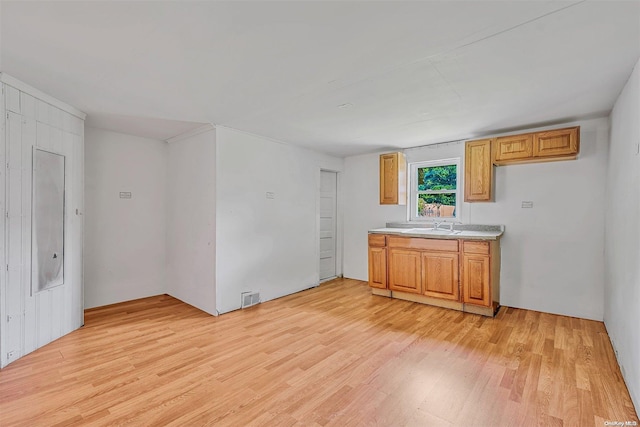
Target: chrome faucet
437, 224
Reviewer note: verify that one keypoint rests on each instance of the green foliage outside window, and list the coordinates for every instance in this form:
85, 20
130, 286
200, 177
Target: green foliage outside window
440, 199
437, 178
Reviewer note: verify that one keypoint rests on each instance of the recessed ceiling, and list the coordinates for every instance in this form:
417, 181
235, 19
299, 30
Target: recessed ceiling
338, 77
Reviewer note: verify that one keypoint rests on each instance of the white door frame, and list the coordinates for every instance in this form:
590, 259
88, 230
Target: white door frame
339, 230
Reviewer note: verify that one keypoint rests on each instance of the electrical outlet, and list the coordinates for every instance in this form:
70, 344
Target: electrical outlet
125, 194
527, 204
11, 354
271, 195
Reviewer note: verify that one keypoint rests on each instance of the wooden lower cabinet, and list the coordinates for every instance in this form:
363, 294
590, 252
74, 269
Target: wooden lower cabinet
405, 270
475, 280
440, 278
460, 274
378, 267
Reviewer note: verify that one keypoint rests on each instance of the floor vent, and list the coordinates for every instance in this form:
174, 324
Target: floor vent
250, 298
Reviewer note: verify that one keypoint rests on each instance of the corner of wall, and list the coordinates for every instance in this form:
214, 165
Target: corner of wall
266, 216
622, 238
191, 220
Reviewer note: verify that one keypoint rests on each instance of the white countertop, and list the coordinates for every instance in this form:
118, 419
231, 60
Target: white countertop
439, 234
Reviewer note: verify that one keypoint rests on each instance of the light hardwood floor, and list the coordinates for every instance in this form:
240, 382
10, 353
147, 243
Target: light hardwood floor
334, 355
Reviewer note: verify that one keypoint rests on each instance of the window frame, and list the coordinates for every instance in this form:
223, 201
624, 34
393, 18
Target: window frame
412, 214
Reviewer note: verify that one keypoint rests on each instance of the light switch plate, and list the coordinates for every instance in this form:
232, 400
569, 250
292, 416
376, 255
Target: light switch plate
271, 195
125, 194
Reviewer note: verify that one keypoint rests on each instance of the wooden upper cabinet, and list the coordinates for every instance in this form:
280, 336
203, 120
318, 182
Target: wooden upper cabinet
478, 171
546, 146
513, 147
393, 179
561, 142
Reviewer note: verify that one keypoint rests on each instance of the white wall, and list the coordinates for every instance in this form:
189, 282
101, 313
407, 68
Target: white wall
125, 248
552, 255
363, 211
266, 245
191, 234
622, 243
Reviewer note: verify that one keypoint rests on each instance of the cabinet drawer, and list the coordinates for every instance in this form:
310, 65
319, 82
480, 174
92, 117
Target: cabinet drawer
471, 247
423, 244
377, 239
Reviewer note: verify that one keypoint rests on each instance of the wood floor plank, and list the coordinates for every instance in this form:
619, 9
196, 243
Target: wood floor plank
329, 356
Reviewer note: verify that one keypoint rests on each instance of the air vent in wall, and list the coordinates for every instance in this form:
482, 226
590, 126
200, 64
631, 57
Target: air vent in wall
249, 299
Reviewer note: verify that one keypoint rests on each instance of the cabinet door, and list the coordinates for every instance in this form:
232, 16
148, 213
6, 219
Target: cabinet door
478, 171
561, 142
440, 275
405, 271
378, 267
475, 280
515, 147
393, 179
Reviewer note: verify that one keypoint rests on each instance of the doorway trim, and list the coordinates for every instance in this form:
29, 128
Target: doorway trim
339, 225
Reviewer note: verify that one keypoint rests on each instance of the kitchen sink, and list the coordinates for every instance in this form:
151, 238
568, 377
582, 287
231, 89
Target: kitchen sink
429, 231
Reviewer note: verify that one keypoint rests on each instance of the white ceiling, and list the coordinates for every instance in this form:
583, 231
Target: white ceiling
411, 73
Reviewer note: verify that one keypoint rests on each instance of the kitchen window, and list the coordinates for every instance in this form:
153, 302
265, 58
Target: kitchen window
435, 190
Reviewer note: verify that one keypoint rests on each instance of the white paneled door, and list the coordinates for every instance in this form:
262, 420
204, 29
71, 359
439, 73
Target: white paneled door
328, 205
31, 317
